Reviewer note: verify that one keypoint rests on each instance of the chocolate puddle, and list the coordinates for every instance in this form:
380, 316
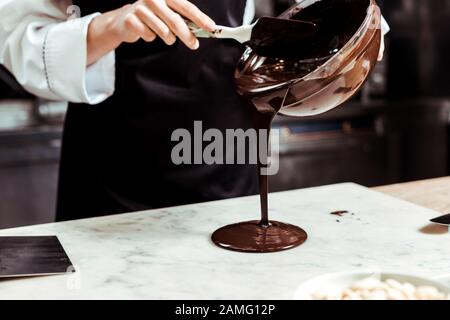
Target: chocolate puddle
264, 83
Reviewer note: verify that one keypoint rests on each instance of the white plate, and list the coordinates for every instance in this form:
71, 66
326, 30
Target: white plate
340, 281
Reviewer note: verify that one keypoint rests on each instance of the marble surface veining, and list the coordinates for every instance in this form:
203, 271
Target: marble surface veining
168, 254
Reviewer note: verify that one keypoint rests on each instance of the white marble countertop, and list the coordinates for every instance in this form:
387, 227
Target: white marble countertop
167, 253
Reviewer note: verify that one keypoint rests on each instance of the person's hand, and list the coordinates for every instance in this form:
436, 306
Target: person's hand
148, 19
145, 19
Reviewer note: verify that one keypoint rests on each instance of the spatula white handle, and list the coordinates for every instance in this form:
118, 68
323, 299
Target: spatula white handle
241, 34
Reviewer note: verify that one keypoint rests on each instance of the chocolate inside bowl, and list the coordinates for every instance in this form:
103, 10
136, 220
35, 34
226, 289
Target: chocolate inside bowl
328, 71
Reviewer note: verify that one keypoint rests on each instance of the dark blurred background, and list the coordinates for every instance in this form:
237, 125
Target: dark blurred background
396, 129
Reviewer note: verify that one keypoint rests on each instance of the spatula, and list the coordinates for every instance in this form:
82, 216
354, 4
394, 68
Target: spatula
444, 220
268, 36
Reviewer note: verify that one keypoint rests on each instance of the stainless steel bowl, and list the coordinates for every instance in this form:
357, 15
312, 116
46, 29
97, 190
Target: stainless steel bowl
334, 80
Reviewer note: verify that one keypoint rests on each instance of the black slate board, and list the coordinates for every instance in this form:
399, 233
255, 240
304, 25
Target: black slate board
32, 256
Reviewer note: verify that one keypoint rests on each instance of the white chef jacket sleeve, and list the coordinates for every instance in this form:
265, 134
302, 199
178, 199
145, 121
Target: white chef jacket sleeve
47, 53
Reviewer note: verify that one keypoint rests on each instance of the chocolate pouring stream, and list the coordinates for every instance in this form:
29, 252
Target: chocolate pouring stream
265, 84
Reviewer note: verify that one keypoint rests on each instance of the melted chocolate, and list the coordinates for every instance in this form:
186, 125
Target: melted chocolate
273, 37
281, 80
264, 83
253, 237
338, 213
285, 37
264, 235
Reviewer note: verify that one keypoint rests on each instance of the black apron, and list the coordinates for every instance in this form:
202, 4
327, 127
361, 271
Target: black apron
116, 156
